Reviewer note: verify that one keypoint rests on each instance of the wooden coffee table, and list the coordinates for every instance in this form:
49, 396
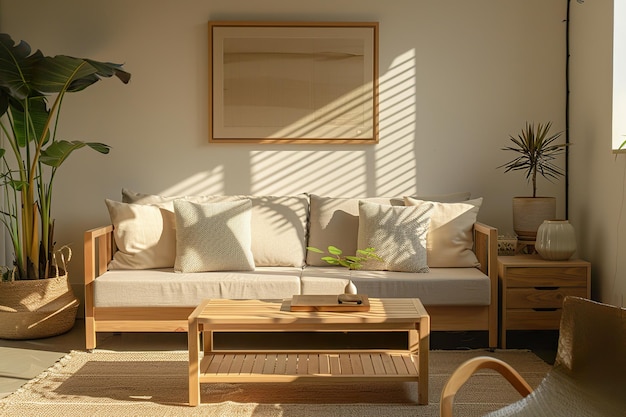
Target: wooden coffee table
385, 315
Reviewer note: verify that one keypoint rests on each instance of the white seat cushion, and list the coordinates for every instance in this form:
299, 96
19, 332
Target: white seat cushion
440, 286
164, 287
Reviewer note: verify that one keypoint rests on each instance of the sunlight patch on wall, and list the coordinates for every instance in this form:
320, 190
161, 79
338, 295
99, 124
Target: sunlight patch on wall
386, 169
202, 183
327, 172
396, 161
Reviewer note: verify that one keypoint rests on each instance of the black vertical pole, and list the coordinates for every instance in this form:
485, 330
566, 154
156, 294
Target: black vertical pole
567, 111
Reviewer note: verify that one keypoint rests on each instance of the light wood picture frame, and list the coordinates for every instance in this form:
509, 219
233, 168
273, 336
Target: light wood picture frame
293, 82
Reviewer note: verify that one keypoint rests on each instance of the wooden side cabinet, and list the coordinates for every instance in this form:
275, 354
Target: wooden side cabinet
532, 291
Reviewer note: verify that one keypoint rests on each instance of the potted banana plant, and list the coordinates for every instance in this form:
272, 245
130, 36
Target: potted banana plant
536, 152
32, 91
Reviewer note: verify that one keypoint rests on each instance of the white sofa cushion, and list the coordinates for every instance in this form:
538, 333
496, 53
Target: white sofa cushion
213, 236
145, 236
450, 240
164, 288
440, 286
279, 223
398, 235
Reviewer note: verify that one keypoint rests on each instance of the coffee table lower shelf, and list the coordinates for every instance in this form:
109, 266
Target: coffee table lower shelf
291, 367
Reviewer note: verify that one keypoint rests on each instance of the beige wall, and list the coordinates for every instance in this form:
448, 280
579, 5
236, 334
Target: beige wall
598, 178
457, 77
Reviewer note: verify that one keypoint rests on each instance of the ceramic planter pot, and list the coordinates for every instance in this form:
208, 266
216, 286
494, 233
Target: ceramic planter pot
33, 309
529, 213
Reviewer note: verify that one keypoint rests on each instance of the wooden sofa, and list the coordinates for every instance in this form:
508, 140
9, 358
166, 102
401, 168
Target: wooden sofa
100, 247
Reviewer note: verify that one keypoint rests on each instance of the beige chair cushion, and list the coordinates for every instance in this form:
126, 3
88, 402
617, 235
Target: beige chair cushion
145, 236
397, 233
213, 236
450, 239
279, 224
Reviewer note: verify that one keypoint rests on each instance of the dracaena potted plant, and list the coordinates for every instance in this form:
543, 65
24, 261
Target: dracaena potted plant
32, 90
537, 151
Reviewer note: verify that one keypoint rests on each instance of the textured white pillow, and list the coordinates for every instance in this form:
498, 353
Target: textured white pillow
213, 236
145, 236
397, 233
450, 240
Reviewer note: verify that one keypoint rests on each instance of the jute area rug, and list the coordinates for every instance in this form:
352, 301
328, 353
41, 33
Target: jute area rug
113, 383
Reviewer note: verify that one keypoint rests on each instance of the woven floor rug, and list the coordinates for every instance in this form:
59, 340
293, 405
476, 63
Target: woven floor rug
111, 383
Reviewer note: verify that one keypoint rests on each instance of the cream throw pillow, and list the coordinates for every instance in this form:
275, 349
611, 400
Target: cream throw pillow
145, 236
450, 240
213, 236
279, 224
335, 221
397, 233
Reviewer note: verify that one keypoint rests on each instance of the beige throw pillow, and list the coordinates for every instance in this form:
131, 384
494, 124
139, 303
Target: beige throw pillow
213, 236
335, 221
397, 233
279, 223
450, 240
145, 236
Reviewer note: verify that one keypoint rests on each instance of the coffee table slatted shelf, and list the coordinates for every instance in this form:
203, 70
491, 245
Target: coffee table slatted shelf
207, 365
272, 367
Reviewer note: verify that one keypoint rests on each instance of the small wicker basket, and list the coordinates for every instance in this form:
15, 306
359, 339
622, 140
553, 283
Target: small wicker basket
507, 246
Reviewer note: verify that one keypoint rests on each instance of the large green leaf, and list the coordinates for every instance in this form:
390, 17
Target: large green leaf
29, 125
4, 101
23, 74
16, 67
66, 73
108, 69
58, 151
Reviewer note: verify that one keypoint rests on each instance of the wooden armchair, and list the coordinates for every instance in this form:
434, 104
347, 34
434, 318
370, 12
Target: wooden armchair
589, 374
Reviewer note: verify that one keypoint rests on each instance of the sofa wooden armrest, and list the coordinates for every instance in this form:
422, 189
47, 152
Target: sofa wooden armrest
486, 249
98, 251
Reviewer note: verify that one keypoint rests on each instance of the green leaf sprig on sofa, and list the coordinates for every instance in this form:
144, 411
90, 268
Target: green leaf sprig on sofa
161, 256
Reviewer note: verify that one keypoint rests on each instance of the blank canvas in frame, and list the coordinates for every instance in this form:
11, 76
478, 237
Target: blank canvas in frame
276, 82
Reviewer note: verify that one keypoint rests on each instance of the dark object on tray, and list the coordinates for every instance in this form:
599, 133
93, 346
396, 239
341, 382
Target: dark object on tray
334, 303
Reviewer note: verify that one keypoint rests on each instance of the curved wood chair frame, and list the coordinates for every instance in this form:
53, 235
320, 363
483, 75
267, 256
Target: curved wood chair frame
469, 368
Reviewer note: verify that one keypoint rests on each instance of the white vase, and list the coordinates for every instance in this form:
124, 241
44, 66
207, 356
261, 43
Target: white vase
556, 240
350, 288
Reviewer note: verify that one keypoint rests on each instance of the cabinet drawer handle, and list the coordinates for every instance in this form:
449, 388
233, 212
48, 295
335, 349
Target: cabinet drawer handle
547, 288
545, 309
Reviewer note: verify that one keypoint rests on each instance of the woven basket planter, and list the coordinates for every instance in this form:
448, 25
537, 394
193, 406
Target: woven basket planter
33, 309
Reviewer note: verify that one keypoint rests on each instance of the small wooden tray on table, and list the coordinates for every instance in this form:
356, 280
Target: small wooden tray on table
333, 303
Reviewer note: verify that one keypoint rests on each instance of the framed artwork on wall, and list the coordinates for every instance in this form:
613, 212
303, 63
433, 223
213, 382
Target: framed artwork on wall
293, 82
